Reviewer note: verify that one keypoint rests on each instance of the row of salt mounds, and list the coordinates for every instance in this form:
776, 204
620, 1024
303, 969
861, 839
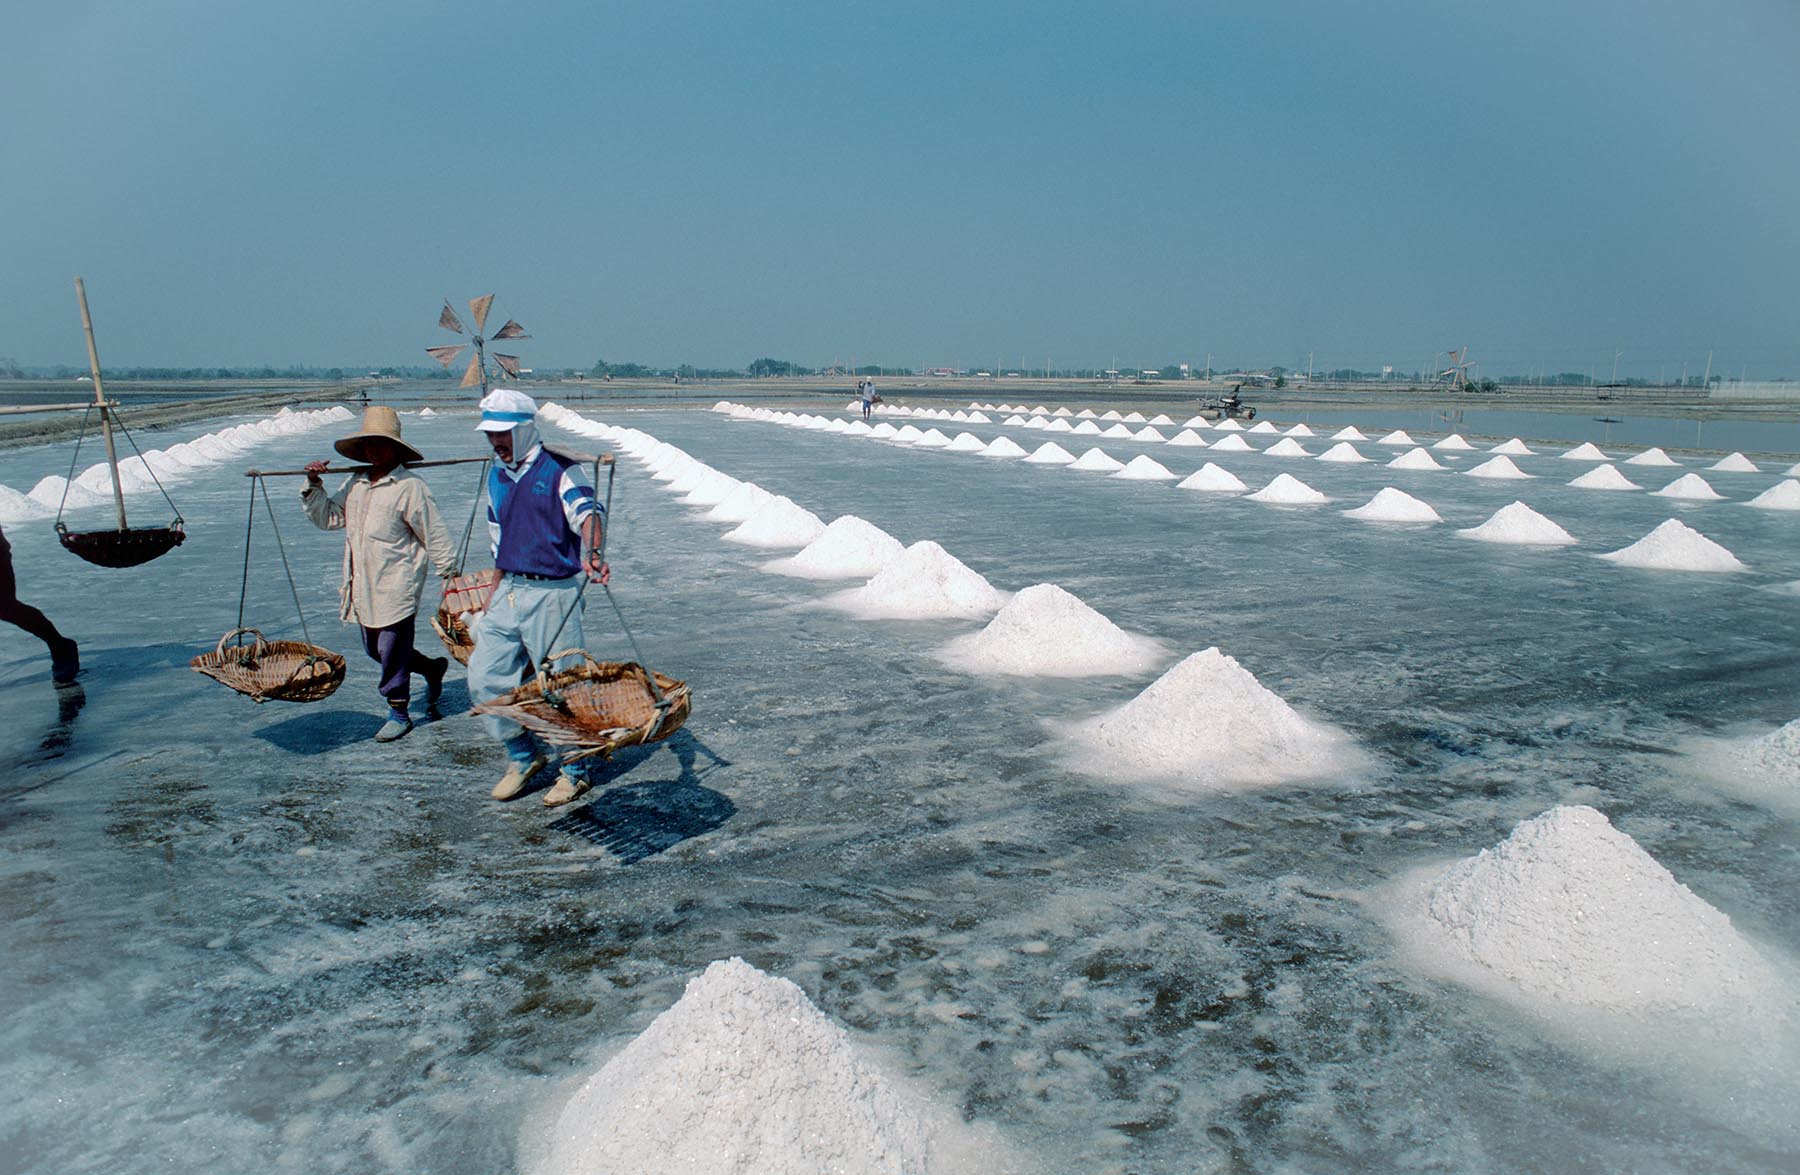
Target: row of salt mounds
1765, 769
1604, 477
1142, 468
1209, 725
1689, 487
1050, 453
1287, 490
745, 1076
1415, 458
1498, 469
779, 522
1044, 631
1675, 546
1520, 525
923, 582
1392, 505
17, 507
1783, 495
1570, 914
850, 548
1214, 479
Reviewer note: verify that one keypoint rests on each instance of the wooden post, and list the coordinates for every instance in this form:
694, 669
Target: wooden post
112, 455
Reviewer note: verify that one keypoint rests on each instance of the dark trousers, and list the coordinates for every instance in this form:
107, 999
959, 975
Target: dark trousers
392, 646
23, 615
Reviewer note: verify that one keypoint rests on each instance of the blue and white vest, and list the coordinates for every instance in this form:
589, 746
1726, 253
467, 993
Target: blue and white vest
534, 532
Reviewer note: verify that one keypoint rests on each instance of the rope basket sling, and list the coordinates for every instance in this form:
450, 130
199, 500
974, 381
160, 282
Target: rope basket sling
595, 706
265, 670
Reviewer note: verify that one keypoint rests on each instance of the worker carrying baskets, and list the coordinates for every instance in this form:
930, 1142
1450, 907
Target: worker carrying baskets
392, 530
548, 533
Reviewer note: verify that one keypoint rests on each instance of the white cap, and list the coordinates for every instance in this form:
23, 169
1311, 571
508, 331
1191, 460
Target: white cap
504, 409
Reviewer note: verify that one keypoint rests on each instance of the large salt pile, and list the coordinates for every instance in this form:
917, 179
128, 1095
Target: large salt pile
850, 548
1264, 426
1604, 477
1209, 725
1046, 632
1453, 442
1414, 459
1676, 546
1735, 463
1783, 495
53, 493
1652, 457
1196, 422
1096, 461
740, 503
1142, 468
1003, 447
1119, 430
1570, 913
1286, 447
1232, 443
745, 1076
1349, 433
1513, 448
1050, 453
967, 442
931, 438
1586, 451
1086, 428
1211, 478
1519, 524
906, 434
1055, 425
1689, 487
1149, 435
1162, 419
1110, 414
883, 431
17, 507
1397, 437
1084, 414
1188, 438
1287, 490
1133, 418
1228, 425
1391, 505
1764, 769
1300, 430
1343, 453
715, 488
780, 522
923, 582
1498, 469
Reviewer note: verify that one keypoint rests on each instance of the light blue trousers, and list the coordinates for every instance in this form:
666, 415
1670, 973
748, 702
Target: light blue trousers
514, 634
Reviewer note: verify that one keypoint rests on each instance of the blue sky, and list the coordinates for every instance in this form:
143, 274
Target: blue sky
913, 184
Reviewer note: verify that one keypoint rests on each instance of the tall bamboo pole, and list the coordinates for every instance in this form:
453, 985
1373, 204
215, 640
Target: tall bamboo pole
112, 455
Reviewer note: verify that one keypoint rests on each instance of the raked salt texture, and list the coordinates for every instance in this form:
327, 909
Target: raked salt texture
1044, 631
1676, 546
1209, 725
745, 1076
849, 548
923, 582
1519, 524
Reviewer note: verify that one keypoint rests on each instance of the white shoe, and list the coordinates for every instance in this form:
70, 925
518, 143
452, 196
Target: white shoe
517, 776
565, 789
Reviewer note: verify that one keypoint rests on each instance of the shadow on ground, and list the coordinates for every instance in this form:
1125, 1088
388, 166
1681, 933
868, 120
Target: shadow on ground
644, 817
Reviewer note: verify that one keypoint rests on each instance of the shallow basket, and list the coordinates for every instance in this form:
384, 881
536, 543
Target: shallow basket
122, 548
463, 594
595, 706
284, 671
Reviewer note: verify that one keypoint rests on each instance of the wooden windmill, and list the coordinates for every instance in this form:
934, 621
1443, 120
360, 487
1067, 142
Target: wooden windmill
476, 374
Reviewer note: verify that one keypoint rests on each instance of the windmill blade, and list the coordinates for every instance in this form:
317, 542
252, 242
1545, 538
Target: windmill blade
511, 330
448, 319
508, 363
472, 377
446, 355
478, 307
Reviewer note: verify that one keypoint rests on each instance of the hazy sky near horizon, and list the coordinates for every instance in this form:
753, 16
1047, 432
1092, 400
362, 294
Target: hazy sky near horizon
1547, 181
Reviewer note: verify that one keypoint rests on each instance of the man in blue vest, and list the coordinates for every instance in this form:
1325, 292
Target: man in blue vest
545, 525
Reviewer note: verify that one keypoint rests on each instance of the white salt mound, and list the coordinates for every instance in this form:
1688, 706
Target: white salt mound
1119, 430
1287, 490
427, 411
1651, 457
1086, 428
744, 1075
1587, 451
1453, 442
1209, 725
1498, 468
1057, 426
1519, 524
740, 503
1343, 453
931, 438
923, 582
850, 548
883, 431
1096, 461
1349, 433
1232, 443
1162, 420
1142, 468
780, 522
1148, 434
1264, 426
1003, 447
1133, 418
1300, 430
1414, 459
1188, 438
1228, 425
1045, 631
1783, 495
1212, 479
1196, 422
1676, 546
712, 490
1286, 447
1604, 477
1689, 487
1050, 453
1765, 769
1397, 437
1514, 448
967, 442
17, 507
1111, 414
1571, 912
1391, 505
1736, 463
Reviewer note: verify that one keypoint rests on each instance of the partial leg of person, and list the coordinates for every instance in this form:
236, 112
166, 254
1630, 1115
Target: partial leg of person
541, 618
497, 665
391, 645
65, 656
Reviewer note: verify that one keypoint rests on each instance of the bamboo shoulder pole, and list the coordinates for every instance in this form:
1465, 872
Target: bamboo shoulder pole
332, 471
112, 454
21, 409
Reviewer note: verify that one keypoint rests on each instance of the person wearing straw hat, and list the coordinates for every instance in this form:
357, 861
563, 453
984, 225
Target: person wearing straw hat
546, 527
392, 529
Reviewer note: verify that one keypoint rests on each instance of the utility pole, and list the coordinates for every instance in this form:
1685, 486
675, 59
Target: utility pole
1309, 359
1615, 375
1706, 380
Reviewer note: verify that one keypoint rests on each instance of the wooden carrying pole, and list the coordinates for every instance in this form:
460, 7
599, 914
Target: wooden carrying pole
333, 471
21, 409
112, 454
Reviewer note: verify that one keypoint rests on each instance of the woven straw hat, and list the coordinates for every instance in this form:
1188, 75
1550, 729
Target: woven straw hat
377, 422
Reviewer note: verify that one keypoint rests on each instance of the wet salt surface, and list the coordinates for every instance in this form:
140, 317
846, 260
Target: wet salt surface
242, 936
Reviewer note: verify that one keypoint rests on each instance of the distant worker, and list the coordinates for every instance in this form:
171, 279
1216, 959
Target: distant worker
392, 529
546, 528
867, 388
65, 657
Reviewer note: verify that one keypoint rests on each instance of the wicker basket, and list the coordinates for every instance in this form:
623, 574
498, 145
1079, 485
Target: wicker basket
121, 548
286, 671
462, 595
594, 706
